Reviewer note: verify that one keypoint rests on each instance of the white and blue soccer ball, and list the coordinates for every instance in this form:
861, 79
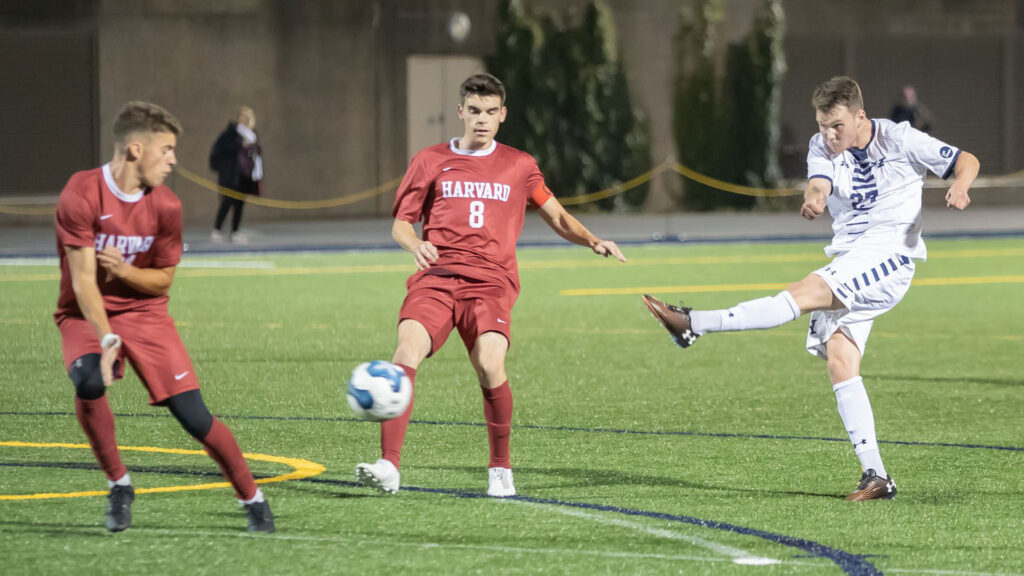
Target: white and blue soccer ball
379, 391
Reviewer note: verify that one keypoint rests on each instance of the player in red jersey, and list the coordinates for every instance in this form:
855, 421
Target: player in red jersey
119, 241
471, 194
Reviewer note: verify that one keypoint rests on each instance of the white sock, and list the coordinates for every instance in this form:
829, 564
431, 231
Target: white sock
767, 312
125, 480
855, 410
257, 498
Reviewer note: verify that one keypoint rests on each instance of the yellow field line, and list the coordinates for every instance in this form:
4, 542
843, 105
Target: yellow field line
529, 265
301, 469
955, 281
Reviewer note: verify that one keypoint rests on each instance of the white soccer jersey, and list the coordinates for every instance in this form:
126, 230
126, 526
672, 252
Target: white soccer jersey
876, 190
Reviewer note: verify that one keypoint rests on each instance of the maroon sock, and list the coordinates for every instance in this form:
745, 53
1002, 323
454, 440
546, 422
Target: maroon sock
220, 444
498, 413
97, 421
392, 432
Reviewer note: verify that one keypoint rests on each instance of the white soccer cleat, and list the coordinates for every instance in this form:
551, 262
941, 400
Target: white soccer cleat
381, 475
499, 483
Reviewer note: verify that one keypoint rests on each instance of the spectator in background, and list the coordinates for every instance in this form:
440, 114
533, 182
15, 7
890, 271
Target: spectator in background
236, 157
909, 109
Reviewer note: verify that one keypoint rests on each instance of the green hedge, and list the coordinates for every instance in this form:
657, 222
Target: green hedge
569, 103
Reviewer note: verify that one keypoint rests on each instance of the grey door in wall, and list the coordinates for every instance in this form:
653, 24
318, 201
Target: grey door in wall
433, 97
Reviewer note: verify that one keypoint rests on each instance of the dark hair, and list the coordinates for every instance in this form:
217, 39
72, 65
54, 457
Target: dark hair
482, 85
138, 116
838, 91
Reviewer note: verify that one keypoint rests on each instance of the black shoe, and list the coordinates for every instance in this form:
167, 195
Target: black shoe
119, 507
260, 518
873, 487
675, 319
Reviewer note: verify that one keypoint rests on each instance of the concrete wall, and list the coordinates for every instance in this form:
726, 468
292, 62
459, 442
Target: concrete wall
327, 78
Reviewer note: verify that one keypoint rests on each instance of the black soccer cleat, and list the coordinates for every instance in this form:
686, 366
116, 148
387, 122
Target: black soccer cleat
119, 507
675, 319
873, 487
260, 517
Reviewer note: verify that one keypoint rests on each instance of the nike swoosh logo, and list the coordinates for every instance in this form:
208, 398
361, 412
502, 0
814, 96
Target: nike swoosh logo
180, 376
446, 169
500, 321
105, 216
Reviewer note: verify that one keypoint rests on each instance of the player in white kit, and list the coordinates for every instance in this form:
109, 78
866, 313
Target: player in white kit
869, 174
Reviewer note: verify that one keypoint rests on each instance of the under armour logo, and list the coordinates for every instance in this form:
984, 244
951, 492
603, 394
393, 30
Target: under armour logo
731, 315
813, 322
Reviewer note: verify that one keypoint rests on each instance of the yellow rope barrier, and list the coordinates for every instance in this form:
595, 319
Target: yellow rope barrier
288, 204
733, 188
616, 189
567, 201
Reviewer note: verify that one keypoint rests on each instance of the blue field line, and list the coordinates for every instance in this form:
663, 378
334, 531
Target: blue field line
852, 564
556, 429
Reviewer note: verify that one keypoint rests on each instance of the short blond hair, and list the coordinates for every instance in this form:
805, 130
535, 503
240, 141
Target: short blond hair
837, 91
138, 116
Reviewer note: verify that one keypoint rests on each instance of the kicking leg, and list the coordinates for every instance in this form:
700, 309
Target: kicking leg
413, 346
686, 325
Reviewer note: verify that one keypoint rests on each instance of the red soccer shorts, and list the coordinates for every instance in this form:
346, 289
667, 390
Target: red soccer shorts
441, 303
150, 343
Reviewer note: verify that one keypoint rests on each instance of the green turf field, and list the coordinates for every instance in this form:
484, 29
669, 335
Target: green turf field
631, 456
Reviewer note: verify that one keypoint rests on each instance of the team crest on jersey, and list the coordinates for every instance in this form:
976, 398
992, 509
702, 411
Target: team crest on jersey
478, 190
945, 151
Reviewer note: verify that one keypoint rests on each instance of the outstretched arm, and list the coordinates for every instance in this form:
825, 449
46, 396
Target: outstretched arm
82, 268
966, 171
568, 227
405, 235
815, 195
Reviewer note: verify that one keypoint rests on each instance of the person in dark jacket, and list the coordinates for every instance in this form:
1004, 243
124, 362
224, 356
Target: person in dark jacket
236, 157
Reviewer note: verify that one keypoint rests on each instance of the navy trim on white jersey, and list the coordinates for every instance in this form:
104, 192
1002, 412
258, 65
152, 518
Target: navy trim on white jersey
952, 165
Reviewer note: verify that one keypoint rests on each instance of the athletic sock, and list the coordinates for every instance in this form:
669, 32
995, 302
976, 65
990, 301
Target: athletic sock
125, 480
97, 422
392, 432
257, 498
760, 314
498, 414
855, 410
220, 444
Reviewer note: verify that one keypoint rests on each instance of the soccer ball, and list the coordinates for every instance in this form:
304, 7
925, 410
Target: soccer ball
379, 391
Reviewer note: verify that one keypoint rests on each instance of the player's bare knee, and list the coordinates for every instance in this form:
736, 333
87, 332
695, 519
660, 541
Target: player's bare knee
843, 358
191, 412
85, 374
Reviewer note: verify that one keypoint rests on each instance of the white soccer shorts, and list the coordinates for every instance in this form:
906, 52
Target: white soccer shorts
869, 283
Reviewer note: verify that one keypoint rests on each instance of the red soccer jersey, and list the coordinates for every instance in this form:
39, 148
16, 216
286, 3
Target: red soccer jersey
145, 227
472, 204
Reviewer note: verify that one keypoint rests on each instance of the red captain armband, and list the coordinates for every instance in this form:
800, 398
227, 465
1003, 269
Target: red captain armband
540, 195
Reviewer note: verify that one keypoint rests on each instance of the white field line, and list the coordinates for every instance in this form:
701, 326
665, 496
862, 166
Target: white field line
735, 555
424, 546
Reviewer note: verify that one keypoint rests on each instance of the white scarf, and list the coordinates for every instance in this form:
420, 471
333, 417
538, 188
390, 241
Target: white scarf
250, 138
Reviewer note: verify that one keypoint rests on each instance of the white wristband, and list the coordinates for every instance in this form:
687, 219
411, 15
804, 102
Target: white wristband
110, 341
